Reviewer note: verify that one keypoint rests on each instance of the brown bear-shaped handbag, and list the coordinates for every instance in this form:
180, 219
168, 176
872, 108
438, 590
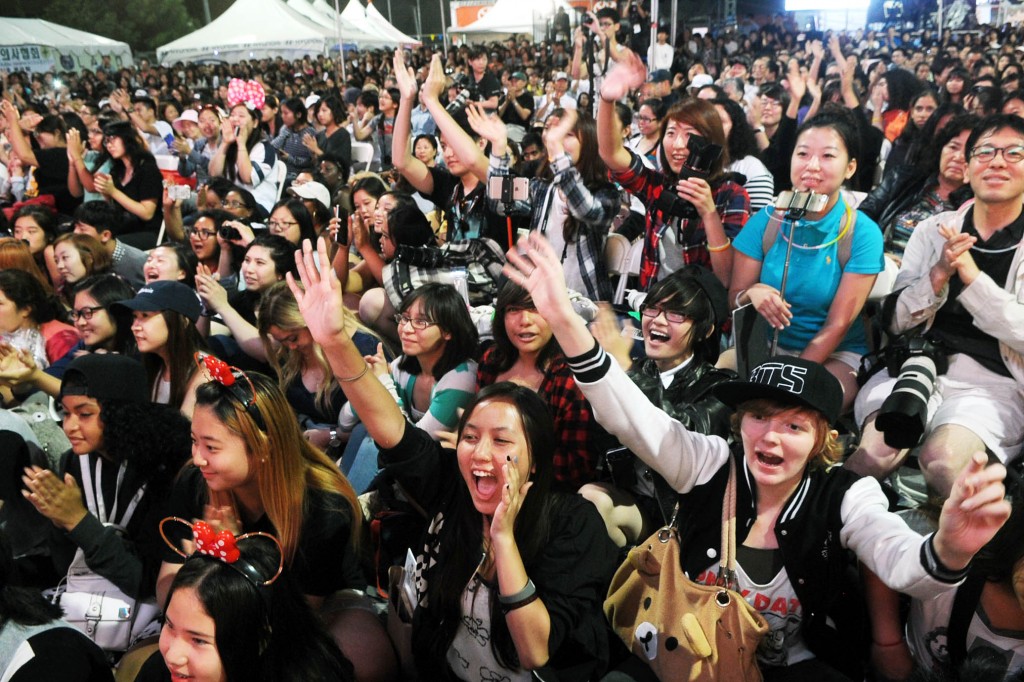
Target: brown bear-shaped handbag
687, 632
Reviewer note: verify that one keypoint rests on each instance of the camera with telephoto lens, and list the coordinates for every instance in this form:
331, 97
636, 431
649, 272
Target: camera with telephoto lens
916, 362
702, 155
464, 83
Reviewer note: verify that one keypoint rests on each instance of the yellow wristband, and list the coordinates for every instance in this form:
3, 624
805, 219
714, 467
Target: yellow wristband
723, 247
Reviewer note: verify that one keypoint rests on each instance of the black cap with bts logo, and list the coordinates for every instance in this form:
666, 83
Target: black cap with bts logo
788, 379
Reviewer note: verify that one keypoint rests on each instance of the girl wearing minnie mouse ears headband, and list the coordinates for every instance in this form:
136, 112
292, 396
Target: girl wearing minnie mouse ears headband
232, 615
251, 471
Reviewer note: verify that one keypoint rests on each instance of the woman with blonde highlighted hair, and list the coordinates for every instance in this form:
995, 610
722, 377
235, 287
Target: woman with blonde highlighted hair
303, 373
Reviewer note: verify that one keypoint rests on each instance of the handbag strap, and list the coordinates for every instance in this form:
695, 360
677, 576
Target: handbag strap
727, 565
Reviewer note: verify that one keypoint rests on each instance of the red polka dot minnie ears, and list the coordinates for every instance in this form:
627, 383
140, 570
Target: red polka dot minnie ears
224, 546
227, 376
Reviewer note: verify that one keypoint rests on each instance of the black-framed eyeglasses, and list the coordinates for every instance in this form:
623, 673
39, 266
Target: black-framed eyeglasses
418, 323
203, 234
85, 313
645, 119
234, 204
673, 316
280, 225
987, 153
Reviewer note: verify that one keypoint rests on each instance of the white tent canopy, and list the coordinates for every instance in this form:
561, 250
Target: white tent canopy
507, 17
349, 32
37, 45
377, 19
373, 38
355, 14
250, 29
515, 16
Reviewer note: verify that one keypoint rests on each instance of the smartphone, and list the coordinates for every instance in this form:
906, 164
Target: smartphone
341, 236
177, 192
508, 188
237, 130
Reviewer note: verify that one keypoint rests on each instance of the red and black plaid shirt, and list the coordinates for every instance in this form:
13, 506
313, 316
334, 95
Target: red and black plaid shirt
646, 184
579, 440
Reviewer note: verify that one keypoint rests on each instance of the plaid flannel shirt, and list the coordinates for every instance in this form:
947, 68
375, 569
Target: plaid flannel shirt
594, 212
731, 200
579, 440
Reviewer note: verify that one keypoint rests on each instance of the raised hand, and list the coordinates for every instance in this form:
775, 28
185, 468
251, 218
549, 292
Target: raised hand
555, 135
628, 74
434, 85
489, 127
404, 77
319, 296
533, 265
975, 510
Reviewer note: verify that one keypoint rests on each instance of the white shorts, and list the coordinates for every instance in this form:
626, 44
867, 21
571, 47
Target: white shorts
847, 357
988, 405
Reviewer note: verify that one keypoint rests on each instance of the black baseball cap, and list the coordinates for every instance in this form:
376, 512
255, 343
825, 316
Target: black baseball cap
788, 379
106, 376
166, 295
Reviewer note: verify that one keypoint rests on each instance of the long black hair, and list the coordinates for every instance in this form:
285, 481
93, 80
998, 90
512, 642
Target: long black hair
261, 632
462, 533
107, 290
505, 353
134, 149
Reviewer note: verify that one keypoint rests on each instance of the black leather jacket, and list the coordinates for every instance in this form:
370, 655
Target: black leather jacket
899, 189
688, 399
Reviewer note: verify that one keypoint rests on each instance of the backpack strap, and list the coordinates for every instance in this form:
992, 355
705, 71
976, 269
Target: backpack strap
964, 604
844, 248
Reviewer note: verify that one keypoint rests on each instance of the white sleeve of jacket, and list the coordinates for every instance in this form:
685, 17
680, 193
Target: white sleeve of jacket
685, 459
885, 543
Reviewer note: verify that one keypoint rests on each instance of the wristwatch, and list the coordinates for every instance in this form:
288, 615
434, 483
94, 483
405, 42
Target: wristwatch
335, 441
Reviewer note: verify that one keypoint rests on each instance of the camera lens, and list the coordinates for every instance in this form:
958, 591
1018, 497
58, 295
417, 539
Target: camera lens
904, 414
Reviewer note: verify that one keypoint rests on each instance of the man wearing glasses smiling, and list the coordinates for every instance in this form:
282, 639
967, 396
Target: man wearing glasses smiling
962, 278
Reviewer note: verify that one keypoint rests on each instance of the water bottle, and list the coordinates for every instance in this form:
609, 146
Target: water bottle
460, 280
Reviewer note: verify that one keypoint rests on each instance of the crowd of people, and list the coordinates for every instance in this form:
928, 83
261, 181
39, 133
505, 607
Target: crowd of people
323, 343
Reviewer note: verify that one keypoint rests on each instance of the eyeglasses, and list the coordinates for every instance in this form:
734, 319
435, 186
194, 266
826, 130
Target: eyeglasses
234, 204
771, 103
417, 323
280, 225
673, 316
202, 234
645, 119
85, 313
986, 153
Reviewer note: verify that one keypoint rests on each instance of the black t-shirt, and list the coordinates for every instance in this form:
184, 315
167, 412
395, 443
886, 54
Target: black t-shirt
339, 144
467, 216
954, 325
488, 86
324, 562
146, 183
778, 156
51, 176
512, 117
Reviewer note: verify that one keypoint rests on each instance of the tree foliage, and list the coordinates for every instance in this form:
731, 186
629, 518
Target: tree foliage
143, 24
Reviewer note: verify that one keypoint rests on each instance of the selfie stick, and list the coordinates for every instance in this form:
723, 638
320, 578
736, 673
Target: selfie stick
796, 205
